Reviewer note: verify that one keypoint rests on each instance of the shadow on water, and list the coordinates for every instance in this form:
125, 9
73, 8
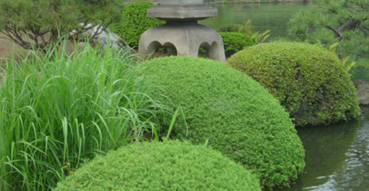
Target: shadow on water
337, 157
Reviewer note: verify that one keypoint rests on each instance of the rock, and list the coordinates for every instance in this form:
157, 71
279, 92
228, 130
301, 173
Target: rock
100, 35
362, 88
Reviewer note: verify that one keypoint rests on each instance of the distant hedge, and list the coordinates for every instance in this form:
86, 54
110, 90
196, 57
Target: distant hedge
231, 28
135, 22
307, 80
231, 113
235, 42
159, 166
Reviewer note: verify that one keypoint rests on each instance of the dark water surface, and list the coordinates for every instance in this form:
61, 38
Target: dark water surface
264, 17
337, 157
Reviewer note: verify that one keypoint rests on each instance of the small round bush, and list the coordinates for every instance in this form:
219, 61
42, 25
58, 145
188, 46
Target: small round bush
235, 41
159, 166
308, 80
230, 112
135, 22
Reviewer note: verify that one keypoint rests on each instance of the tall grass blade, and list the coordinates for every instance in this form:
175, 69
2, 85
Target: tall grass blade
59, 109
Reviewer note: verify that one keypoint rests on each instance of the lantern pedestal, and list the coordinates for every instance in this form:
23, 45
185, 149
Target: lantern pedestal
182, 35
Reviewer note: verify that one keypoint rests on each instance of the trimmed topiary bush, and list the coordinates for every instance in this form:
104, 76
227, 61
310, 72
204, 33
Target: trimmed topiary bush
135, 22
159, 166
308, 80
234, 42
232, 113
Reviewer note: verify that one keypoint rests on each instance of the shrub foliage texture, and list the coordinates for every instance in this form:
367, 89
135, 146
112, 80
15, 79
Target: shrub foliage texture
232, 113
135, 22
159, 166
308, 80
235, 41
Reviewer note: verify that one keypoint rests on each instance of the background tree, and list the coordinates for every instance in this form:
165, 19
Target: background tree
39, 23
343, 21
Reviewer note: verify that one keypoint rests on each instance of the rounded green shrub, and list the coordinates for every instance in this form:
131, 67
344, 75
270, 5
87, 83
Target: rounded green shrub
235, 41
230, 112
308, 80
135, 22
159, 166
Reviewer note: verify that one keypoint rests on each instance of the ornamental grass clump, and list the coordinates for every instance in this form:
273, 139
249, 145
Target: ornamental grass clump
308, 80
230, 112
57, 110
161, 166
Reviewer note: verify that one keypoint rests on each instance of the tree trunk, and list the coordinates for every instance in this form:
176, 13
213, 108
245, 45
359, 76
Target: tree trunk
352, 23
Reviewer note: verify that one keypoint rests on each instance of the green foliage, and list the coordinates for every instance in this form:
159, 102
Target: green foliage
234, 42
258, 37
231, 28
135, 22
254, 36
259, 1
344, 21
39, 23
159, 166
61, 111
248, 28
232, 113
308, 80
347, 67
360, 71
237, 37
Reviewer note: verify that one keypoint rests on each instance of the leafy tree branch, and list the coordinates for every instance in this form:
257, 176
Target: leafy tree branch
344, 21
40, 23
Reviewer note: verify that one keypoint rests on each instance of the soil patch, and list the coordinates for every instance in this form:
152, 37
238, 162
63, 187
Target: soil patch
8, 48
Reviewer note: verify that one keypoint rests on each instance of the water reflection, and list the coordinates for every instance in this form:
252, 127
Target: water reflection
355, 174
337, 157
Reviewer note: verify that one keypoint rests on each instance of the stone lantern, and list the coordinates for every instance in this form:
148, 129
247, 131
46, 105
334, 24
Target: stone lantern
181, 34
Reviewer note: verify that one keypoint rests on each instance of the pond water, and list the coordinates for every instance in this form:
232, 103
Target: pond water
264, 17
337, 156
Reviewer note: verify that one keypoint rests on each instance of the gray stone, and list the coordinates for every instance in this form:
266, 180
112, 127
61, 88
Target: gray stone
181, 35
98, 34
183, 40
182, 12
362, 88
